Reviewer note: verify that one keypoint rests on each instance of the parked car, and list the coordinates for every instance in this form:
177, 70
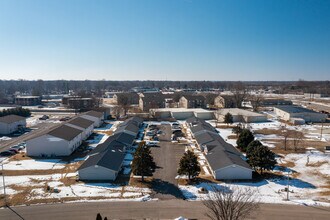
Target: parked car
44, 117
6, 153
152, 143
18, 147
65, 118
15, 151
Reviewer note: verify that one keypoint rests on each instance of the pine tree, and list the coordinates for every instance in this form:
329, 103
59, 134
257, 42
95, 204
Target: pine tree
228, 118
244, 139
143, 163
237, 130
189, 165
98, 216
260, 157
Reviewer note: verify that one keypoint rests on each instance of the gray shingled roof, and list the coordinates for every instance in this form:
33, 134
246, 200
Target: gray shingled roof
111, 159
219, 154
9, 119
108, 143
219, 158
129, 127
81, 122
65, 132
95, 114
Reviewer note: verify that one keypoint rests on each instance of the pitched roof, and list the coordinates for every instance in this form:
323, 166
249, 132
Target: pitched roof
219, 154
108, 143
81, 122
194, 97
8, 119
111, 158
219, 158
94, 114
65, 132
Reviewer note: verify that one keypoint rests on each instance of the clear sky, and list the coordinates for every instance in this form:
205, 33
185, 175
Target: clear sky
165, 39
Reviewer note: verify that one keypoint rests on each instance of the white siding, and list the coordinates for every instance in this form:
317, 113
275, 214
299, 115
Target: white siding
47, 145
97, 173
233, 172
10, 128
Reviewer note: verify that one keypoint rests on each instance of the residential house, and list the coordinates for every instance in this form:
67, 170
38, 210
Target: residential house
83, 124
192, 101
149, 101
224, 160
11, 123
95, 116
60, 141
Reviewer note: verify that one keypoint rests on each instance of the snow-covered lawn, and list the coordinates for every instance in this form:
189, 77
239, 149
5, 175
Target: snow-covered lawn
33, 164
267, 191
36, 185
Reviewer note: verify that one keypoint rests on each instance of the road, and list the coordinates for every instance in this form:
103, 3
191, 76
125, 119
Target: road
166, 209
37, 130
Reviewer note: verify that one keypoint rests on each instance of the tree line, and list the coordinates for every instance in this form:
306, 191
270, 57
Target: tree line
16, 111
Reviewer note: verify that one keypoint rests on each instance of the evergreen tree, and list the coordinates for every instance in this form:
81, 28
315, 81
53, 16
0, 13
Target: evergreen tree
260, 157
244, 139
237, 130
143, 163
228, 118
189, 165
98, 216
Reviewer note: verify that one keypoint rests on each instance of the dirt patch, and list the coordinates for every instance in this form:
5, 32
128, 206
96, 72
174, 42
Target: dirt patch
68, 181
225, 126
19, 156
289, 164
232, 136
266, 131
137, 182
317, 164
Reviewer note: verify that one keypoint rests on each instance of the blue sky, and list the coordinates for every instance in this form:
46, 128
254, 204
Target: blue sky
165, 39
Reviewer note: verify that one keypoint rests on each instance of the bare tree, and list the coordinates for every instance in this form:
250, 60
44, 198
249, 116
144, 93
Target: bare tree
239, 93
297, 138
286, 135
256, 101
116, 111
230, 203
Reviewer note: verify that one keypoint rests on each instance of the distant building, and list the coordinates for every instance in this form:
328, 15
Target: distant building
240, 115
315, 95
27, 100
151, 100
274, 102
287, 113
11, 123
192, 101
132, 98
181, 113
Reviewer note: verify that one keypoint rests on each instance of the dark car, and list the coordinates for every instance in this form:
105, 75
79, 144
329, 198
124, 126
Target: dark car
13, 150
6, 153
44, 117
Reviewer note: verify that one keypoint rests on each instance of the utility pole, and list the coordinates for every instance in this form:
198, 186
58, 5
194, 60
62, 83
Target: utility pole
321, 131
4, 185
288, 190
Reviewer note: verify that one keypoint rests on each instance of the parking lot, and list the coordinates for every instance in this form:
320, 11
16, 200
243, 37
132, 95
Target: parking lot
167, 156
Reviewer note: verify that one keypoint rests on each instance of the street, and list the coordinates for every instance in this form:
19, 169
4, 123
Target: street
166, 209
